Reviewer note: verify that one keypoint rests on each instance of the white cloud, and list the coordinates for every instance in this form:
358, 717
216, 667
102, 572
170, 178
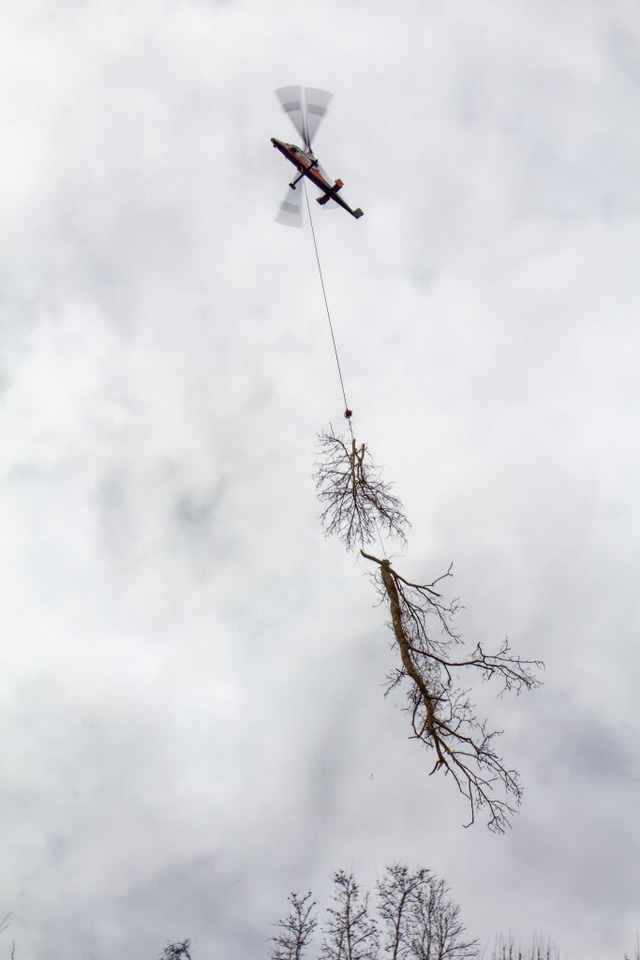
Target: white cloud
192, 677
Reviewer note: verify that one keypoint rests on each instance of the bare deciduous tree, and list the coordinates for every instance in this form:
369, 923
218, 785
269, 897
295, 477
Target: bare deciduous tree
357, 502
176, 951
421, 920
506, 949
350, 932
442, 716
415, 914
296, 929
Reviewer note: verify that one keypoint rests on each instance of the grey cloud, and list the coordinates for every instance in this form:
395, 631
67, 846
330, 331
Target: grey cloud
192, 676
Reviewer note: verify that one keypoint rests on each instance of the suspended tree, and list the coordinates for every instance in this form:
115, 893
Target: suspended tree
358, 506
442, 716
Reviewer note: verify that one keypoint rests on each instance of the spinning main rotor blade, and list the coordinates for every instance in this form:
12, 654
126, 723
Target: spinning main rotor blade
316, 104
306, 106
290, 212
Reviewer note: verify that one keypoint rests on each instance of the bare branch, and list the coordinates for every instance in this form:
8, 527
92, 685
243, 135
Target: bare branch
414, 918
296, 929
442, 717
177, 951
396, 897
350, 932
357, 502
422, 921
507, 949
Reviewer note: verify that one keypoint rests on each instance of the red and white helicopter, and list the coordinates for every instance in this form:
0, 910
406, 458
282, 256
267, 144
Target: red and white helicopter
306, 107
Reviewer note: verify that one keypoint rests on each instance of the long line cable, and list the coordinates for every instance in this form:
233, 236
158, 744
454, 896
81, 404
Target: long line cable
326, 303
333, 337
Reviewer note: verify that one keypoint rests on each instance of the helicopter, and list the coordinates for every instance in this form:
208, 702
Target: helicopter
306, 106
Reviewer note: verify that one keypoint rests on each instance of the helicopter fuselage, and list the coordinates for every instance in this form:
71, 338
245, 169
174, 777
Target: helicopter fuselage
307, 164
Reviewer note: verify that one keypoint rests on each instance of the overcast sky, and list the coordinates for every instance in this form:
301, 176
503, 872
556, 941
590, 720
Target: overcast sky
191, 677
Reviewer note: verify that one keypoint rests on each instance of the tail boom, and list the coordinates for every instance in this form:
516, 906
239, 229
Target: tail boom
332, 194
